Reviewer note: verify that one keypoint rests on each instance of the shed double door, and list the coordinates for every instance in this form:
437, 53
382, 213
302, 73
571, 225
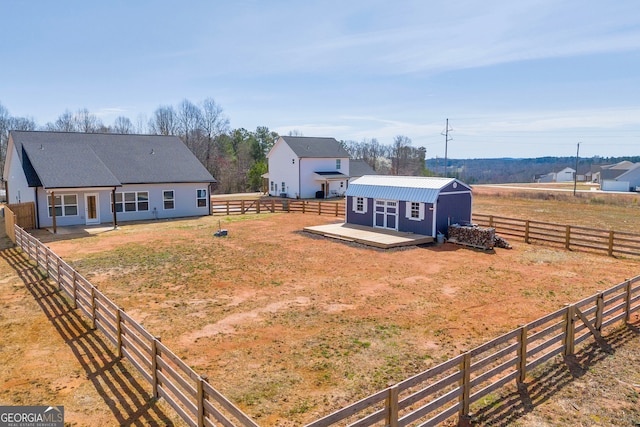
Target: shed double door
386, 214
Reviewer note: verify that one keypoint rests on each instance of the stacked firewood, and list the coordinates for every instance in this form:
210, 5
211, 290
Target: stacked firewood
500, 242
472, 235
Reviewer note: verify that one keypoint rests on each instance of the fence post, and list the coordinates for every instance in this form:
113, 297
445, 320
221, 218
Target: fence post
200, 389
75, 291
526, 232
257, 206
93, 307
491, 221
303, 206
610, 252
336, 209
522, 354
227, 208
599, 311
465, 384
154, 366
392, 406
119, 332
627, 301
59, 273
242, 207
319, 208
273, 206
46, 262
569, 340
567, 237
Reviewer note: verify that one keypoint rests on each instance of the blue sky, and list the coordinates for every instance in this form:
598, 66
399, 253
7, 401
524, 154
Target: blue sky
515, 78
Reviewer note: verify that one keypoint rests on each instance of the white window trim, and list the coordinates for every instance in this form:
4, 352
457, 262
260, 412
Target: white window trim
173, 199
354, 207
407, 212
62, 205
124, 202
198, 198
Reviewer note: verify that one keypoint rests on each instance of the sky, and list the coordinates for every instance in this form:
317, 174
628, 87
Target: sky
525, 78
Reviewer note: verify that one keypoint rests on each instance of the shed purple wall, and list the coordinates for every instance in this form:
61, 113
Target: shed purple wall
451, 209
365, 219
424, 227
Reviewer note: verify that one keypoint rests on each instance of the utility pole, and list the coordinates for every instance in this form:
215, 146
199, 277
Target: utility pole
575, 175
446, 141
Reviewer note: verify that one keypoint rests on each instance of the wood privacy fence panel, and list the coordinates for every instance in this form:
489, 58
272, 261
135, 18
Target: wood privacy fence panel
569, 236
240, 207
188, 393
426, 399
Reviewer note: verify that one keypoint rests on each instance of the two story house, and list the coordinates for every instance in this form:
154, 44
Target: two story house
307, 167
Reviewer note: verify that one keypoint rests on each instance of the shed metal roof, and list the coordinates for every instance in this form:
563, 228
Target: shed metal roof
404, 188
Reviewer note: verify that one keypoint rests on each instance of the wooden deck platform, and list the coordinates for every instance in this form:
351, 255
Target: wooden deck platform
370, 236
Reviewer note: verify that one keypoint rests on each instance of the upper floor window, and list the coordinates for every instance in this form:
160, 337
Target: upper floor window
338, 163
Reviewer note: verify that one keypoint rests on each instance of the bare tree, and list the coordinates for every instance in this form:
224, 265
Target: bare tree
189, 118
64, 123
87, 122
122, 124
214, 124
164, 121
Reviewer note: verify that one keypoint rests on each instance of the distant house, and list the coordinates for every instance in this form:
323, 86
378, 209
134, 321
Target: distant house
601, 173
422, 205
565, 175
358, 168
307, 167
82, 178
629, 180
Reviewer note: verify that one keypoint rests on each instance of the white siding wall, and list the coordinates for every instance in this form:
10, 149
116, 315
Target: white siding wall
308, 180
283, 167
18, 188
185, 204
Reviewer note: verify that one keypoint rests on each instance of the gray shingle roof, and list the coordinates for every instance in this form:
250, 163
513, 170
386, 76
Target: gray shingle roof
67, 160
360, 168
305, 146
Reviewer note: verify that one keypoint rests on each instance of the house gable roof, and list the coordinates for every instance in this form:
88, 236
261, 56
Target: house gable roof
67, 160
402, 188
360, 168
304, 146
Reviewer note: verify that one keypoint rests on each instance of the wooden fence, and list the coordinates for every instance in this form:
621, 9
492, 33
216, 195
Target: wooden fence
570, 236
196, 401
426, 399
21, 214
239, 207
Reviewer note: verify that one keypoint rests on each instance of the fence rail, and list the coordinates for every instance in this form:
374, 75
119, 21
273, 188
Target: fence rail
196, 401
611, 242
240, 207
425, 399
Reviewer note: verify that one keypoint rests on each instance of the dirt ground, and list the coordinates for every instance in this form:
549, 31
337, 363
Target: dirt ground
291, 326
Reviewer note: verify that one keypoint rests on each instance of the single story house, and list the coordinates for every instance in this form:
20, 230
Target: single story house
421, 205
91, 178
627, 181
565, 175
307, 167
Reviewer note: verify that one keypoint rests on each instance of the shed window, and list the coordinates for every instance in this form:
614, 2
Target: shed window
65, 205
201, 198
414, 211
360, 204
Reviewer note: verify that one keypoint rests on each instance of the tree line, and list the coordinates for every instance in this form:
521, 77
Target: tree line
235, 157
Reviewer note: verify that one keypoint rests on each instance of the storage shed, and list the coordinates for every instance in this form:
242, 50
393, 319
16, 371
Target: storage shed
422, 205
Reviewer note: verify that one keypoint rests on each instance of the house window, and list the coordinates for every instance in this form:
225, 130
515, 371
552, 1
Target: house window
201, 198
338, 164
272, 186
415, 210
131, 201
283, 187
360, 205
168, 199
65, 205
